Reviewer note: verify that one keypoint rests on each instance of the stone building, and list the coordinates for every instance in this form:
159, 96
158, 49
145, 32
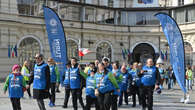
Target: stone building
104, 26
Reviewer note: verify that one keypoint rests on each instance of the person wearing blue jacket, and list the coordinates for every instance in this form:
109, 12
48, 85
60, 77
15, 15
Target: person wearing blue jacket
90, 90
117, 74
105, 85
135, 83
41, 81
127, 79
54, 77
75, 84
149, 78
67, 84
15, 83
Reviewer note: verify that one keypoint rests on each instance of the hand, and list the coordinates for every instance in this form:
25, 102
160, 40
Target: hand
156, 86
57, 84
4, 92
118, 90
142, 71
114, 74
79, 66
27, 86
127, 90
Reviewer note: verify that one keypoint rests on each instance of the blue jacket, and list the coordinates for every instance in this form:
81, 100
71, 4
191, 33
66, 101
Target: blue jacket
39, 81
53, 76
149, 77
109, 68
15, 86
124, 83
135, 77
67, 78
90, 86
104, 82
75, 78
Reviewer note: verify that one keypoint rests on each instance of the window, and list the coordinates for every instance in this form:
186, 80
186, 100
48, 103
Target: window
105, 16
180, 2
69, 12
188, 53
190, 14
180, 16
104, 50
94, 2
89, 14
72, 49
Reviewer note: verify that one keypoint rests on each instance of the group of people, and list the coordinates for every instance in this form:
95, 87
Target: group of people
104, 83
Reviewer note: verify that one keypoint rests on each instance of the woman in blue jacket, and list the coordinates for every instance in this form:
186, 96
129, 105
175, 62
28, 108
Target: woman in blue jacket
105, 84
15, 83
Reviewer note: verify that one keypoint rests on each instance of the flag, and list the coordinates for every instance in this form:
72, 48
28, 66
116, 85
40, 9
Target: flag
15, 51
129, 53
165, 56
9, 51
161, 55
147, 1
123, 54
176, 45
126, 51
12, 51
83, 51
57, 39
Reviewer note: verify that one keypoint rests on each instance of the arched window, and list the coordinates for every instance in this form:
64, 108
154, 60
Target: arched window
27, 49
104, 50
72, 49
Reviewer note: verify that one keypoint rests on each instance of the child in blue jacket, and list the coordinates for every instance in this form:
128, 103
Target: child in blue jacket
15, 83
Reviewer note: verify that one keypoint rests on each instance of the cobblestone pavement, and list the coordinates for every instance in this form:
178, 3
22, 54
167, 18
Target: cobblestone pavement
168, 100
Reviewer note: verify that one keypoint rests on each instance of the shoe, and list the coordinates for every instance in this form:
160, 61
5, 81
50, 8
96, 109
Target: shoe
133, 106
51, 104
64, 106
58, 91
143, 108
119, 105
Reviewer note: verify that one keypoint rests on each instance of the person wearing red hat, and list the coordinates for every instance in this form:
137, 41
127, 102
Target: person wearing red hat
16, 84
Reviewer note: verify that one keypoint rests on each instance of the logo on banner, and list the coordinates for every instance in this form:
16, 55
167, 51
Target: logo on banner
53, 22
56, 48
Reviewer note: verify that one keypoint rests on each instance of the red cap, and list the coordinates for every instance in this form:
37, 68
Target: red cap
15, 67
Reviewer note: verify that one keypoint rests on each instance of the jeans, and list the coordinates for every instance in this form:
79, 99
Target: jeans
15, 103
170, 83
189, 84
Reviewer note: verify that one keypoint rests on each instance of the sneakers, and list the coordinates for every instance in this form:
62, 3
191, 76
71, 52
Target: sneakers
64, 106
51, 104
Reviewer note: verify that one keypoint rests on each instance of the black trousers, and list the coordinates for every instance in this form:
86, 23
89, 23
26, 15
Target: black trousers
134, 93
28, 90
15, 103
114, 102
77, 94
89, 101
146, 94
125, 94
104, 101
52, 96
41, 104
67, 95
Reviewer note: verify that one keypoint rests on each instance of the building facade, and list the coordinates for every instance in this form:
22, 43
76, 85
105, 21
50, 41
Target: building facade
104, 26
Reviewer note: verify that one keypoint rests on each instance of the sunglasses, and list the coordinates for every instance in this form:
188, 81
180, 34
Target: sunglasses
37, 57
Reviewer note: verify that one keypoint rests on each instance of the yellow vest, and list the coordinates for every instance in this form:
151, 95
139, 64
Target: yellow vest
27, 72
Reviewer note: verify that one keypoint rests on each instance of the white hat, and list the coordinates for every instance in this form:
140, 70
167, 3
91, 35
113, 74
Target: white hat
159, 60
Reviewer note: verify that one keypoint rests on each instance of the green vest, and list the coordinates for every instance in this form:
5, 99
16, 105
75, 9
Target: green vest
27, 72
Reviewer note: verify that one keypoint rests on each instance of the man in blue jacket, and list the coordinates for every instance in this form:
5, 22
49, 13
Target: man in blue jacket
149, 78
75, 84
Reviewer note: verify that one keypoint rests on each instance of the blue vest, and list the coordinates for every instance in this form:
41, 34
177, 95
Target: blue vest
149, 77
135, 78
67, 77
90, 86
53, 76
124, 83
39, 81
15, 86
104, 82
74, 78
